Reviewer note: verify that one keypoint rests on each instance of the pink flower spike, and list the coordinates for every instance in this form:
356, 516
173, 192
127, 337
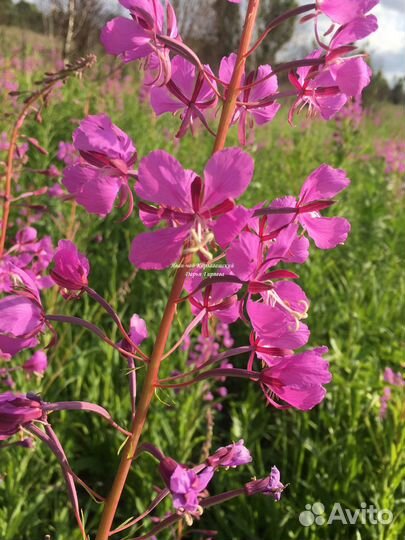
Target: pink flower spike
71, 268
298, 380
37, 364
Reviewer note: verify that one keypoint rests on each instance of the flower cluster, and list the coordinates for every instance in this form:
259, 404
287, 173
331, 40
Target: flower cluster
324, 81
234, 264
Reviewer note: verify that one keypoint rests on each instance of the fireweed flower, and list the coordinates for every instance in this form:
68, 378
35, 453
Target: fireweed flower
297, 380
71, 269
108, 155
316, 194
22, 317
217, 300
37, 364
346, 10
233, 455
326, 88
186, 202
276, 327
16, 411
138, 37
31, 254
187, 92
246, 115
185, 485
271, 485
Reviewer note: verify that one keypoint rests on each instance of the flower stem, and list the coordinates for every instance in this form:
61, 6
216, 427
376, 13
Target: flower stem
152, 373
234, 86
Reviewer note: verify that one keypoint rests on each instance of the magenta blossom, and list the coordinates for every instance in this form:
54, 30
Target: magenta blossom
321, 185
138, 37
265, 87
326, 87
22, 316
276, 327
217, 300
17, 410
328, 90
186, 202
345, 11
233, 455
316, 194
138, 331
71, 268
108, 155
185, 485
187, 92
271, 485
298, 380
37, 364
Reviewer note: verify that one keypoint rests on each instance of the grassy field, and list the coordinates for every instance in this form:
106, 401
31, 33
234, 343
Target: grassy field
340, 452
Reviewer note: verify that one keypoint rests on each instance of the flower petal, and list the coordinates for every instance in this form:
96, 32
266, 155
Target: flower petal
227, 175
158, 249
162, 180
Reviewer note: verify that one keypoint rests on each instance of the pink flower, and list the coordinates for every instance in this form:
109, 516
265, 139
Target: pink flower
327, 90
188, 203
17, 410
71, 268
233, 455
298, 380
67, 153
271, 485
263, 89
276, 327
185, 485
138, 331
216, 300
108, 155
38, 363
321, 185
185, 92
22, 316
345, 11
138, 37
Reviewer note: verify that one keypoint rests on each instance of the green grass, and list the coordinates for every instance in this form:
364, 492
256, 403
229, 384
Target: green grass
340, 452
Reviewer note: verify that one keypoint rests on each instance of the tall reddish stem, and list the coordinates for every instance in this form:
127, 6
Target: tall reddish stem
234, 86
10, 161
151, 378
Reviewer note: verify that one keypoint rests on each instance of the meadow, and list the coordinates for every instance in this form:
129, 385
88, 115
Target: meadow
342, 451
